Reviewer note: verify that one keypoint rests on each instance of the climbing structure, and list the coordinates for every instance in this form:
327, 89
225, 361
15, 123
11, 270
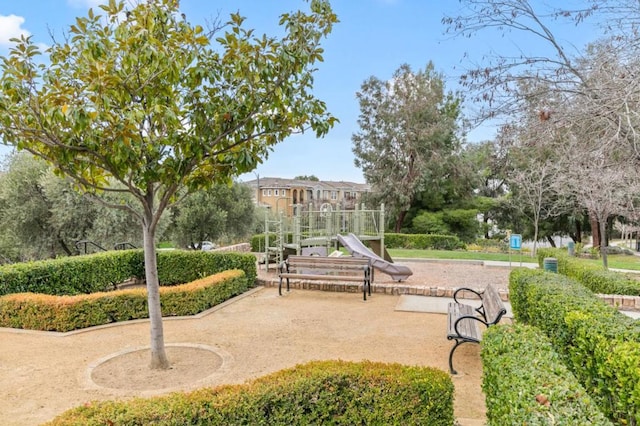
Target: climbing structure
319, 228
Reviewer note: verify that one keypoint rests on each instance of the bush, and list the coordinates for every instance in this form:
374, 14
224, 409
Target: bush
66, 313
71, 275
591, 276
257, 241
322, 392
493, 245
526, 382
102, 271
423, 241
599, 344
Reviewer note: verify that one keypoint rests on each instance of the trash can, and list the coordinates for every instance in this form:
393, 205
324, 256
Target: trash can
571, 247
550, 264
637, 245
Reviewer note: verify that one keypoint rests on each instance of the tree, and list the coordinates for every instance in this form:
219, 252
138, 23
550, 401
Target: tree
313, 178
43, 217
219, 212
25, 211
406, 137
140, 98
496, 82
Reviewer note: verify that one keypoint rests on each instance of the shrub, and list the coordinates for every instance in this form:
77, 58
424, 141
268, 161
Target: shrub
591, 276
526, 382
257, 241
423, 241
102, 271
66, 313
321, 392
596, 341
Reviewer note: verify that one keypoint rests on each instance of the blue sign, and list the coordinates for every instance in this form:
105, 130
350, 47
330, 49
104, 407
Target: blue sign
515, 241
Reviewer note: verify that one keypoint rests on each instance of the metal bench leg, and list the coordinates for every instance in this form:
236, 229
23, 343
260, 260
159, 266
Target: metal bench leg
280, 287
458, 343
364, 290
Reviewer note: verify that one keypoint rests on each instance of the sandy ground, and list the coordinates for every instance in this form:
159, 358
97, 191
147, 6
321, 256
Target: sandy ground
43, 374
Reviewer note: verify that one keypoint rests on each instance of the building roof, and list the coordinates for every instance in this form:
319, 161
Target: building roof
274, 182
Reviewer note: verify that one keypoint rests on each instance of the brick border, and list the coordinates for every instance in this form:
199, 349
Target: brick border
627, 303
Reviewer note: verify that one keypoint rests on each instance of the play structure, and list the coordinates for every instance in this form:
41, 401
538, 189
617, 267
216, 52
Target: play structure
356, 248
320, 231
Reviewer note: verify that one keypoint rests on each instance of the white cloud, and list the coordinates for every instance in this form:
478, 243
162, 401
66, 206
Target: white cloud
10, 27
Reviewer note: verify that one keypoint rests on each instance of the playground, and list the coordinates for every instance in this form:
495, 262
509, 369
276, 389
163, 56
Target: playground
42, 374
323, 231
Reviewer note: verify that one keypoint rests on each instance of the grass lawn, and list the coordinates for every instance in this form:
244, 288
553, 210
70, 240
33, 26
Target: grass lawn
616, 261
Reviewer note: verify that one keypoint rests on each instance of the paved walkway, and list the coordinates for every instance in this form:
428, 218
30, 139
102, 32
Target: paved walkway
42, 374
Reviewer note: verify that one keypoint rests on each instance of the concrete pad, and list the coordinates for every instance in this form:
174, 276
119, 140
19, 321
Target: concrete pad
435, 305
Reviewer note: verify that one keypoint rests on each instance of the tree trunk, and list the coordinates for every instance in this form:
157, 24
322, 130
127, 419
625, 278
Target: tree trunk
159, 360
485, 219
400, 221
535, 237
603, 244
595, 231
551, 241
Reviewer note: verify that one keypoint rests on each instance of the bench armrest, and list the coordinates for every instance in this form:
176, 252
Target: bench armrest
455, 325
476, 292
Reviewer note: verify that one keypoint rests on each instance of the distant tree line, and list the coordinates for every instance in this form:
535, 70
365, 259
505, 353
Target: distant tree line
43, 216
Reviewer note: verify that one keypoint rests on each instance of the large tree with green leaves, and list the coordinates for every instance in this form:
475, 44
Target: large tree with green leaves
407, 135
221, 213
140, 101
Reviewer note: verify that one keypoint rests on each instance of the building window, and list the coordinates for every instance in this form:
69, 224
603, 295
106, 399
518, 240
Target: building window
275, 192
269, 192
264, 192
334, 195
284, 192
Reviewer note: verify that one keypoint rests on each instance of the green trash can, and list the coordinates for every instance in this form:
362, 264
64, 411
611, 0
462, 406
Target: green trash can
550, 264
571, 247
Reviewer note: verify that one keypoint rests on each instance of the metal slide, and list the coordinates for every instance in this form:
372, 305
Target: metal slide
358, 249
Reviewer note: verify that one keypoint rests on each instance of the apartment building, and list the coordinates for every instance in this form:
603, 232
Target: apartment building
281, 194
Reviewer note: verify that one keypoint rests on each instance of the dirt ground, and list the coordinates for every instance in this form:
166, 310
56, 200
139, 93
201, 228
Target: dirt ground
43, 374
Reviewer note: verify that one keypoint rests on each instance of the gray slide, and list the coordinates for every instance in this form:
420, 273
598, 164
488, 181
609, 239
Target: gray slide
357, 249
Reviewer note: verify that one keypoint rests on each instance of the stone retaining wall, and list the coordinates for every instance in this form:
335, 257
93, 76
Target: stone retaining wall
627, 303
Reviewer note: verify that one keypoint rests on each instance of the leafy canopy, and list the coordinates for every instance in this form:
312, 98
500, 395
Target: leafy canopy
140, 95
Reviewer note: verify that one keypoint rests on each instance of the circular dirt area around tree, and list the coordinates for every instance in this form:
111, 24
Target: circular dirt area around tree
129, 370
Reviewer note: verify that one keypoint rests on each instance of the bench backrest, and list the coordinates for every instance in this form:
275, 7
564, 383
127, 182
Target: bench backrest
341, 263
494, 309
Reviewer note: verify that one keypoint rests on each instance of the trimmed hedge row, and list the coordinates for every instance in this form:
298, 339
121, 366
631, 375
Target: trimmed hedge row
591, 276
599, 344
66, 313
423, 241
526, 382
321, 392
102, 271
406, 241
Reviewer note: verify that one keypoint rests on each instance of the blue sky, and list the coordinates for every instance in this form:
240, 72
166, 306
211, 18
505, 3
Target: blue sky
374, 37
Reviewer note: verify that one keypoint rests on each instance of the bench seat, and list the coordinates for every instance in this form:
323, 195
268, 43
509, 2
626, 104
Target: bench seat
464, 322
340, 268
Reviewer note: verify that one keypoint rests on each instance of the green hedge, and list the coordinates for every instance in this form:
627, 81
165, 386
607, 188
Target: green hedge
591, 276
322, 392
102, 271
257, 241
66, 313
599, 344
525, 381
423, 241
71, 275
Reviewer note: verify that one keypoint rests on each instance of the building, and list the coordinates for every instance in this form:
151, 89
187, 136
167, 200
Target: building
281, 195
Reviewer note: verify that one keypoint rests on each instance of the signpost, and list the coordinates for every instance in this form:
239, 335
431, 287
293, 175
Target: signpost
515, 243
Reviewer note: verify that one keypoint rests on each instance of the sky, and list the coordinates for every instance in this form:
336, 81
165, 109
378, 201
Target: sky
373, 38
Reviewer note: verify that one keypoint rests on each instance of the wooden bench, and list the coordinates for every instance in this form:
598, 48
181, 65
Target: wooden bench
464, 321
340, 268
